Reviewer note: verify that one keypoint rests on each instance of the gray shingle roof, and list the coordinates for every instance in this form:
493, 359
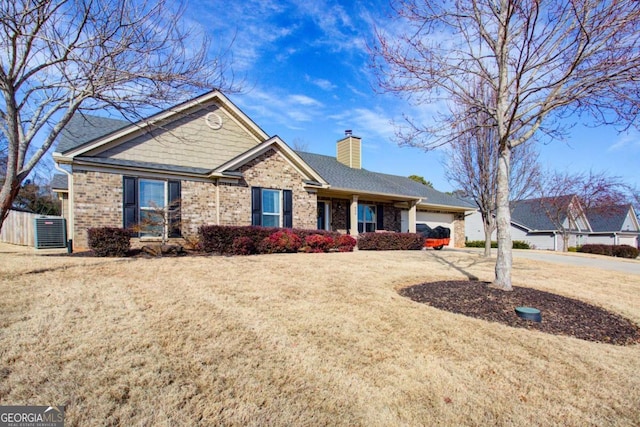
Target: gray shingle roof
343, 177
83, 128
59, 181
609, 219
145, 165
532, 213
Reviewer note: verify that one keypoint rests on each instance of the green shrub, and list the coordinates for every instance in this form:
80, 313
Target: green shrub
478, 244
109, 241
516, 244
390, 241
520, 244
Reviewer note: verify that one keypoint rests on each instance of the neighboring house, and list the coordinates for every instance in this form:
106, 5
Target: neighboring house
553, 223
208, 163
616, 225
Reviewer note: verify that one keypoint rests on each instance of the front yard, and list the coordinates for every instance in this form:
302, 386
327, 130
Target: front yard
300, 339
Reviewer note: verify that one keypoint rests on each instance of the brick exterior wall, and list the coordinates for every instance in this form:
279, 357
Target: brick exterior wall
198, 206
340, 207
458, 230
97, 199
269, 170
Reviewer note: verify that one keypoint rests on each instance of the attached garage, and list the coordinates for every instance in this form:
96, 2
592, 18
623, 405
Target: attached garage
433, 220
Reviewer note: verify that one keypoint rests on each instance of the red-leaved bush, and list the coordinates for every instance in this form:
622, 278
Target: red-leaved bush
247, 240
243, 246
109, 241
317, 243
283, 241
345, 243
390, 241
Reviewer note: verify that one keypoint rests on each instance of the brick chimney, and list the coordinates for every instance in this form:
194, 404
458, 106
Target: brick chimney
349, 150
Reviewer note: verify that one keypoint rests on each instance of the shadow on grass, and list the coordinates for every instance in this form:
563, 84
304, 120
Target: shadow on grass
441, 260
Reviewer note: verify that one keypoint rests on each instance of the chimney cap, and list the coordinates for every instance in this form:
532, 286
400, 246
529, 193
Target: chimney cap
348, 132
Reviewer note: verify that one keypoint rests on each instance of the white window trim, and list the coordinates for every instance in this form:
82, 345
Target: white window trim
148, 208
280, 213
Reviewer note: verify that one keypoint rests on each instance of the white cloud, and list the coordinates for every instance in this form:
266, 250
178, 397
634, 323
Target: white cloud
323, 84
304, 100
627, 140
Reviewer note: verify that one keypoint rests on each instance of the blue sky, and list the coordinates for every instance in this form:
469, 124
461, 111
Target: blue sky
304, 67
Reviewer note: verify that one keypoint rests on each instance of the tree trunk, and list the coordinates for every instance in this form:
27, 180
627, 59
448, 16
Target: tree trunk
488, 230
503, 222
8, 193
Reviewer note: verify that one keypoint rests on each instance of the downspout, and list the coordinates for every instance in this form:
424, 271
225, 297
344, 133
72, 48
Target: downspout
71, 226
217, 201
555, 241
615, 238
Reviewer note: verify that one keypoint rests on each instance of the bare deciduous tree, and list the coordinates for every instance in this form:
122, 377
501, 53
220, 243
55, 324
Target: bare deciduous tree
542, 60
565, 198
61, 57
472, 164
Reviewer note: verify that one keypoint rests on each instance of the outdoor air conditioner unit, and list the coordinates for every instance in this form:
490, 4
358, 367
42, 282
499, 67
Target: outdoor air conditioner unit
50, 232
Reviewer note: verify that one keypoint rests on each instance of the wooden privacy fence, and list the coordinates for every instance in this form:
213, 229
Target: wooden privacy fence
19, 229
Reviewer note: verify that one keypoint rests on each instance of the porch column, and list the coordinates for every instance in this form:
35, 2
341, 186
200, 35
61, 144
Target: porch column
353, 215
412, 216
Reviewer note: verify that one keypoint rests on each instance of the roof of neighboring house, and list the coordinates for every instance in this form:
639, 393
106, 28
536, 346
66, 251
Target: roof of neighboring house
532, 213
343, 177
59, 181
83, 128
610, 219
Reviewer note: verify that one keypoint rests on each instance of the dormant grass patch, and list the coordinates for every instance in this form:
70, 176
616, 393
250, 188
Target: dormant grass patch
300, 339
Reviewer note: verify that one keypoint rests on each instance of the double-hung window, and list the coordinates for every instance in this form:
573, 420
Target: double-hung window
271, 212
151, 207
271, 207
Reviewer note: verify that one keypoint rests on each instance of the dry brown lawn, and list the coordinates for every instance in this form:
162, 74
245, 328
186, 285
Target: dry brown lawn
302, 339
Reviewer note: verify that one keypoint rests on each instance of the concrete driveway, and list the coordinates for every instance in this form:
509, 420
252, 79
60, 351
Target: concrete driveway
631, 266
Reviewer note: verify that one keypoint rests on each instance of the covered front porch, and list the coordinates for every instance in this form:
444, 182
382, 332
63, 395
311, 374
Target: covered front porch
362, 213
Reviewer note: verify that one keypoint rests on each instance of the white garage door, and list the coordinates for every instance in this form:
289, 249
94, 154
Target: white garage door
628, 240
432, 219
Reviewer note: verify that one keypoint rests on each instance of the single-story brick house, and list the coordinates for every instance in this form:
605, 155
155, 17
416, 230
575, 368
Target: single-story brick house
535, 221
209, 162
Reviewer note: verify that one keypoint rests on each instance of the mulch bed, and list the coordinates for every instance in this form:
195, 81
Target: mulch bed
560, 315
